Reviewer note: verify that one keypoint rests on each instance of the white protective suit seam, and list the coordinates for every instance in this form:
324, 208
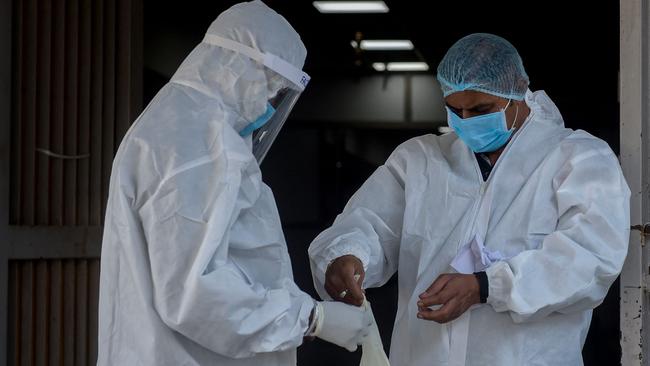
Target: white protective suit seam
500, 305
397, 172
209, 94
348, 247
578, 158
530, 314
206, 159
495, 293
184, 83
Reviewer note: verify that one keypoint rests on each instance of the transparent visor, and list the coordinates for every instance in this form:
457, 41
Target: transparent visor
267, 127
264, 136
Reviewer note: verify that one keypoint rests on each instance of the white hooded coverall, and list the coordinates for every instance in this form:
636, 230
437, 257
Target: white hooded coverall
195, 269
559, 216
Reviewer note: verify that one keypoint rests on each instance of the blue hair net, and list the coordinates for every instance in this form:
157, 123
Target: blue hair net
485, 63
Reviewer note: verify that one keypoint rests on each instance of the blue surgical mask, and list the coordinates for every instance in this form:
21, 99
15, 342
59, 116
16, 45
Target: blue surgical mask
484, 133
259, 122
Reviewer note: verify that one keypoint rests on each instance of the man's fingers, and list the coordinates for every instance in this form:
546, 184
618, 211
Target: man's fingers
359, 271
335, 294
437, 285
439, 298
348, 299
330, 290
426, 314
338, 279
354, 290
334, 281
339, 291
448, 312
334, 285
359, 278
442, 315
343, 280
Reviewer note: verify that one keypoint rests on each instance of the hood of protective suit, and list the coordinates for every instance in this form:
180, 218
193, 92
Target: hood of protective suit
543, 108
241, 85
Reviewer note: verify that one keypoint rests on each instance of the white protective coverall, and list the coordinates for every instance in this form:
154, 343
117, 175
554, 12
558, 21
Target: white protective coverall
559, 216
195, 269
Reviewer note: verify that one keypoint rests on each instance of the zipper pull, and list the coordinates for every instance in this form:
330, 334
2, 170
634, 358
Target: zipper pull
481, 190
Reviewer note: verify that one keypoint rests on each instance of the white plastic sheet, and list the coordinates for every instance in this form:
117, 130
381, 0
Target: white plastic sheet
373, 350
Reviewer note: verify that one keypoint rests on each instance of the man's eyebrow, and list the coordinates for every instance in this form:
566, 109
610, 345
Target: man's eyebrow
475, 107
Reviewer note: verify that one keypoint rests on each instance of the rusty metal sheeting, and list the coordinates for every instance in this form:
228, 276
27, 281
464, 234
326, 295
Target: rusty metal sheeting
77, 87
53, 312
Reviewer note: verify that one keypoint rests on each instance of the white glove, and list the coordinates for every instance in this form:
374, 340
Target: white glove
344, 325
373, 350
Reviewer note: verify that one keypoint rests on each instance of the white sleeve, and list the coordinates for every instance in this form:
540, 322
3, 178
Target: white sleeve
369, 228
576, 264
198, 290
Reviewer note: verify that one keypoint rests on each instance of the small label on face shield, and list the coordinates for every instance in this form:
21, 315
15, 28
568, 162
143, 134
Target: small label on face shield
259, 139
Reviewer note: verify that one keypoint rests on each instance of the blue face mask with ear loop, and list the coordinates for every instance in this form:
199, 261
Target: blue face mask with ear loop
484, 133
259, 122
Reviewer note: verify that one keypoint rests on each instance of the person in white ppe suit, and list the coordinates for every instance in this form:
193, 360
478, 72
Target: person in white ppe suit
505, 233
195, 269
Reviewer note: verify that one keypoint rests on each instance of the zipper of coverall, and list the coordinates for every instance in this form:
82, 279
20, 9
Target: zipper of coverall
484, 184
459, 342
459, 359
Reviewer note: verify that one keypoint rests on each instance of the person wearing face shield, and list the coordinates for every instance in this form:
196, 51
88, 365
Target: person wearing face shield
195, 268
505, 233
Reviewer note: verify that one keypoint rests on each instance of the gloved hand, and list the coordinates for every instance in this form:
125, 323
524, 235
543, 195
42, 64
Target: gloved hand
344, 325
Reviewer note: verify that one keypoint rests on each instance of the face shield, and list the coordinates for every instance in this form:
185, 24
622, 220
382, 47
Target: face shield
265, 129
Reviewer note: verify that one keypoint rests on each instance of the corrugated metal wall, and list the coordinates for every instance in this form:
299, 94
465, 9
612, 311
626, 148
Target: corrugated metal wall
76, 89
53, 312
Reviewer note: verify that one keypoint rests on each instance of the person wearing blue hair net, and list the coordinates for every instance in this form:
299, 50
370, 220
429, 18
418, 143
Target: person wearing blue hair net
506, 233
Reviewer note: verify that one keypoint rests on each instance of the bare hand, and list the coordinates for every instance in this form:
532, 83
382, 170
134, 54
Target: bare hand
340, 277
455, 292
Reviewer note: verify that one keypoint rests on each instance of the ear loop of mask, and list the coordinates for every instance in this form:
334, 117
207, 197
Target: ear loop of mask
514, 123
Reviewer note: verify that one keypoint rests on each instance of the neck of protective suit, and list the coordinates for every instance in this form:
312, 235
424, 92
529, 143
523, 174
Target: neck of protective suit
484, 133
